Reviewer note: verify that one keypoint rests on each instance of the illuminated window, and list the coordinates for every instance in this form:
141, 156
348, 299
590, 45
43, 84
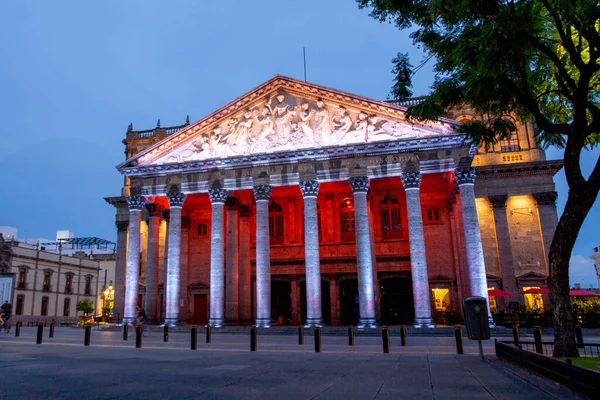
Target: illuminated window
347, 220
389, 213
433, 216
276, 230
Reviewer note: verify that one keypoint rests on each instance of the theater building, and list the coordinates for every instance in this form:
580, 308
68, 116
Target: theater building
322, 207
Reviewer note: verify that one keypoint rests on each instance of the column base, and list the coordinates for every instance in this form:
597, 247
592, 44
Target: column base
215, 322
423, 323
367, 323
263, 322
171, 321
313, 322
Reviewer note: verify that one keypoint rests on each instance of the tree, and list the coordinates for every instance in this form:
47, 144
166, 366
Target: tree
86, 306
536, 59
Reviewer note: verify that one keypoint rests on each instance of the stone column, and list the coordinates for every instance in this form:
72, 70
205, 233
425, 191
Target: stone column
263, 256
133, 257
507, 269
217, 256
245, 272
232, 266
120, 267
310, 190
151, 305
176, 200
465, 178
546, 202
364, 255
418, 258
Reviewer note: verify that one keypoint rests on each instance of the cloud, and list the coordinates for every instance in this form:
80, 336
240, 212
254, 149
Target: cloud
581, 270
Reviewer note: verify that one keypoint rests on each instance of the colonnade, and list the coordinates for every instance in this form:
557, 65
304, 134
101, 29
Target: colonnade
364, 253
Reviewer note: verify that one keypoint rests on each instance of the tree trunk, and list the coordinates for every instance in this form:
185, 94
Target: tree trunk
579, 202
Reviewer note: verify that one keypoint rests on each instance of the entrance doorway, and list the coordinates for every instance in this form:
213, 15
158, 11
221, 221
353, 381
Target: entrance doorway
281, 300
200, 309
397, 305
325, 302
348, 290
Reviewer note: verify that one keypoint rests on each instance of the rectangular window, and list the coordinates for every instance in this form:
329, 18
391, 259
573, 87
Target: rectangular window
20, 301
68, 283
22, 278
202, 230
88, 285
433, 216
45, 301
66, 307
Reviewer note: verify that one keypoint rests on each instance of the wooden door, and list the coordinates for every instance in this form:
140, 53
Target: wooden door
200, 309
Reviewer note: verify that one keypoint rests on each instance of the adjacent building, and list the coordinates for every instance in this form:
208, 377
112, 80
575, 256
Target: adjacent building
320, 206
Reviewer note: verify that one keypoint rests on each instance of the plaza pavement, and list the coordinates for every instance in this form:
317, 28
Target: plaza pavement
427, 368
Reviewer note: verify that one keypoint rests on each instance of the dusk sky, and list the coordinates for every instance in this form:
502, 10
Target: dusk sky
74, 74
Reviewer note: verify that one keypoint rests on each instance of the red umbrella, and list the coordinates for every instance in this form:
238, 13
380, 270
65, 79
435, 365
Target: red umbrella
498, 292
536, 291
582, 293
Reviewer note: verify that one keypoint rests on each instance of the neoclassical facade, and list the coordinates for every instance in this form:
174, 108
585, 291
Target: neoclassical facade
305, 204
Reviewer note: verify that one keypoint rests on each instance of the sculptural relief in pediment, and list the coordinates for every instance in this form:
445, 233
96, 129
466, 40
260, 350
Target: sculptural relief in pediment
286, 122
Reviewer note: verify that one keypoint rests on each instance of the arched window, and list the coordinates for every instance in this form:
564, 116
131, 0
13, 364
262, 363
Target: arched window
275, 223
389, 215
347, 220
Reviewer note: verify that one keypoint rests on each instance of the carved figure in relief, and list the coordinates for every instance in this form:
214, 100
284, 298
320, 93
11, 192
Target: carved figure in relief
341, 124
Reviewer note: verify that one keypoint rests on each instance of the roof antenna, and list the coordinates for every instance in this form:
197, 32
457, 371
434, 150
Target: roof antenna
304, 56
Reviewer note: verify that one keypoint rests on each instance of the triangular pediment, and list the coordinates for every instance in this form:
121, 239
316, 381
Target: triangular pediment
285, 114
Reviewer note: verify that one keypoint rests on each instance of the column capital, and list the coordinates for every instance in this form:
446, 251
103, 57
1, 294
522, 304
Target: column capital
135, 202
498, 201
122, 226
232, 203
176, 199
309, 188
262, 192
545, 198
154, 209
465, 175
359, 184
411, 179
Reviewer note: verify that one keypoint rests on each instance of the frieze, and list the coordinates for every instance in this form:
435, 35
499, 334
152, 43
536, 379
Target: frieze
465, 175
359, 184
218, 195
176, 199
135, 202
411, 179
262, 192
309, 188
546, 198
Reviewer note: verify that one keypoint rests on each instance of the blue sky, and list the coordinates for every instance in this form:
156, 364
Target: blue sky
74, 74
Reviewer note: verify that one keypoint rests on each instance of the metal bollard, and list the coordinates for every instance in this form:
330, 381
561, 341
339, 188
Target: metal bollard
207, 333
125, 331
516, 335
51, 335
300, 335
40, 333
253, 338
166, 333
194, 344
18, 329
88, 335
317, 339
385, 336
579, 337
537, 337
402, 336
459, 340
350, 336
138, 337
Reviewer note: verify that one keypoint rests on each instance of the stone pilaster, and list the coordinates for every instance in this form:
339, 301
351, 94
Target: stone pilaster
364, 255
310, 190
176, 200
546, 205
465, 178
507, 268
245, 272
133, 257
217, 292
418, 258
120, 267
151, 306
232, 266
263, 256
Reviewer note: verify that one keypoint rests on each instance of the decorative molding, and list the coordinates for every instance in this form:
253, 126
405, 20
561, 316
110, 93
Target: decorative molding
176, 199
122, 226
309, 188
218, 195
465, 175
359, 184
498, 201
262, 192
546, 198
411, 179
135, 202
